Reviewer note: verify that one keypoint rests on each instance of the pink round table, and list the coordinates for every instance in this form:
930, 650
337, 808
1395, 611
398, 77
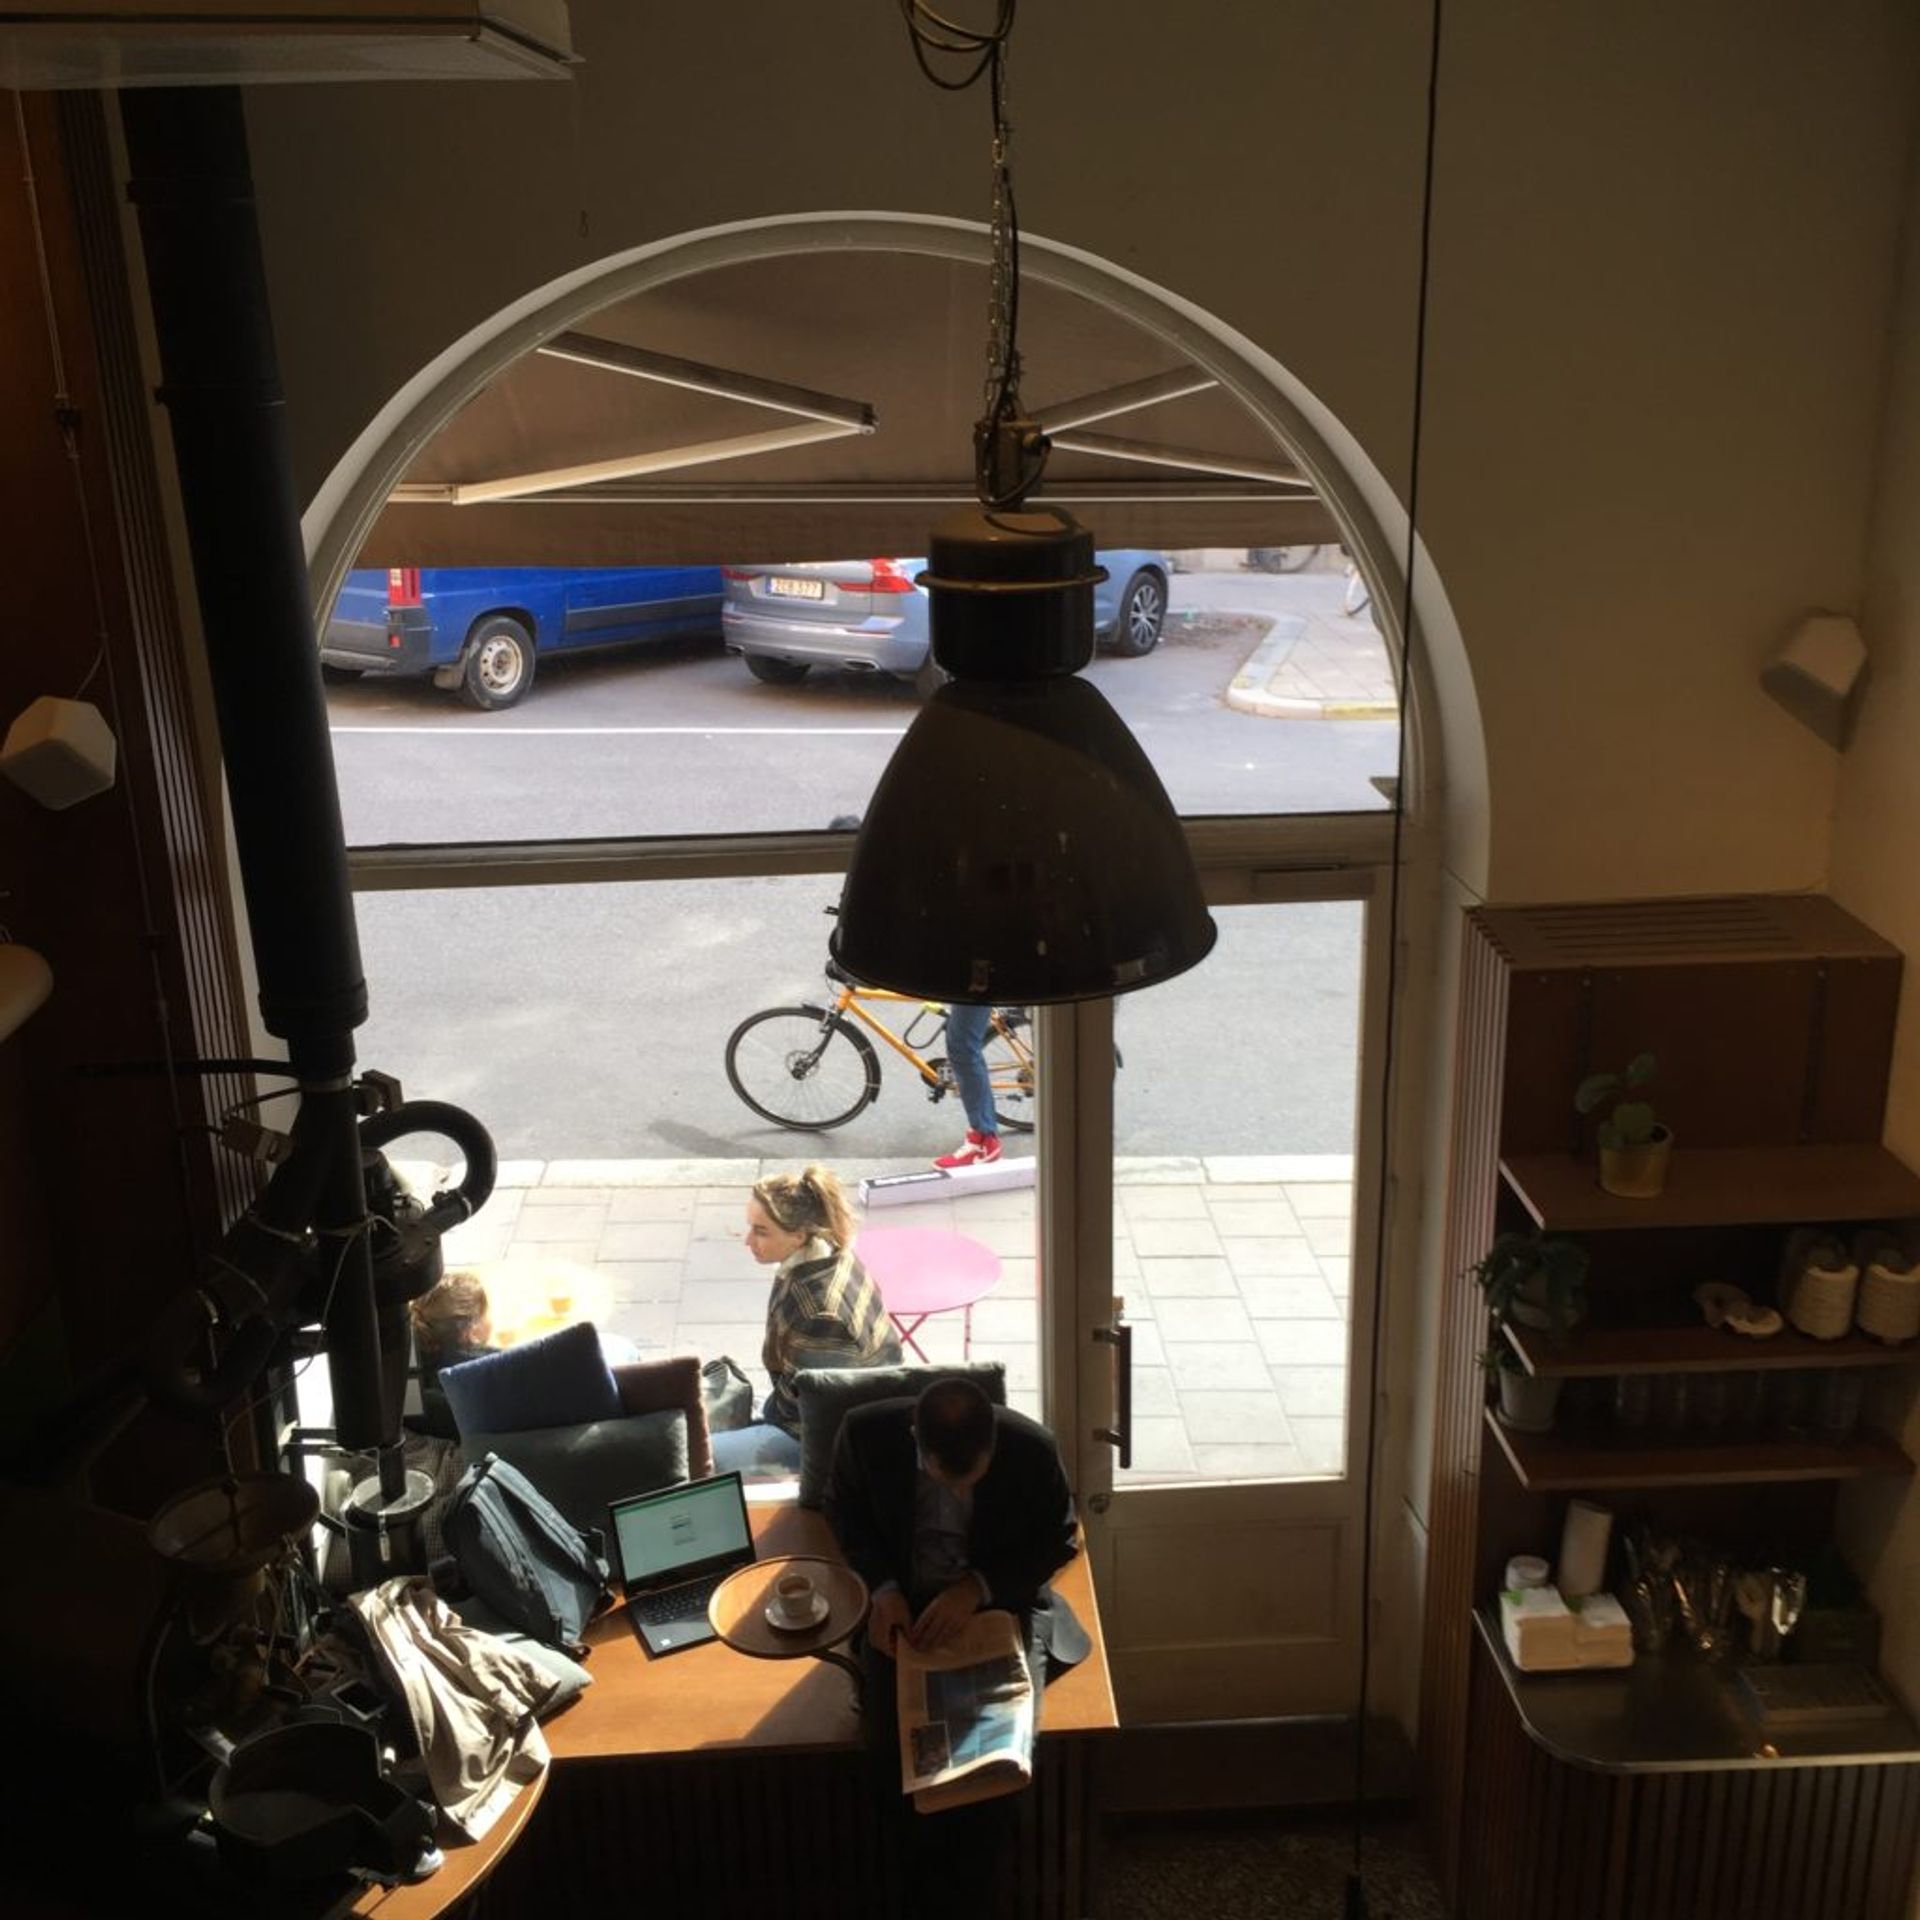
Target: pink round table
927, 1270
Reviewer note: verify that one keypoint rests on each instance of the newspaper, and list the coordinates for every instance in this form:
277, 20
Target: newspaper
966, 1715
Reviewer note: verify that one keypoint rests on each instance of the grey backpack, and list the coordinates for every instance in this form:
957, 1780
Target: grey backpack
521, 1557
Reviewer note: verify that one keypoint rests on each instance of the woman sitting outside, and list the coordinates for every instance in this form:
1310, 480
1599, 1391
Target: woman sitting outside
823, 1310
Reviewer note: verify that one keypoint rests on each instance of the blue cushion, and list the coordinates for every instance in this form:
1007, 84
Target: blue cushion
556, 1381
827, 1395
583, 1469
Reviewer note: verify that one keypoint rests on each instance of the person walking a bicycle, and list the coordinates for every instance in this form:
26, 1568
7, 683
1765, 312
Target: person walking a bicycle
967, 1029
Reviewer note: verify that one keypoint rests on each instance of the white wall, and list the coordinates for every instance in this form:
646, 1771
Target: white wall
1876, 875
1662, 266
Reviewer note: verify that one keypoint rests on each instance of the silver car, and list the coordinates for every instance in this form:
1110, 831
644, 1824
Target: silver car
867, 616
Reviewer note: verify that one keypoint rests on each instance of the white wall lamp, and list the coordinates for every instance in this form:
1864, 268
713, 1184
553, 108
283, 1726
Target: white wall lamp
1819, 674
25, 982
61, 752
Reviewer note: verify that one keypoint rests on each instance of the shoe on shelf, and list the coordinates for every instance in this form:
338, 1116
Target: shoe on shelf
976, 1150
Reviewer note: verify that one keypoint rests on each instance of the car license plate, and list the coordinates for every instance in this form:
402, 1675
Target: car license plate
784, 587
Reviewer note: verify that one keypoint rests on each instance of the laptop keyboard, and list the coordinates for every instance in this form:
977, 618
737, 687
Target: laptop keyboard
667, 1604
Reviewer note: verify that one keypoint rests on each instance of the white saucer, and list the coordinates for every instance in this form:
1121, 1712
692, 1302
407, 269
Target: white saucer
775, 1618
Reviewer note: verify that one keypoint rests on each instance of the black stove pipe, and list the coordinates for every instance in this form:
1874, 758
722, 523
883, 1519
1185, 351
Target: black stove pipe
220, 383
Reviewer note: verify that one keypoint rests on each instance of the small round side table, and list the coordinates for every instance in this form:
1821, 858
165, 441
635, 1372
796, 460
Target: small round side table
922, 1271
738, 1612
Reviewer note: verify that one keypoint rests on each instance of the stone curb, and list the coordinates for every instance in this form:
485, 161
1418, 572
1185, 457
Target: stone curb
1251, 688
1272, 706
1134, 1170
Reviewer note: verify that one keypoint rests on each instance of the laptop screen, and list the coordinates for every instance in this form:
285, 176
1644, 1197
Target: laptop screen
681, 1531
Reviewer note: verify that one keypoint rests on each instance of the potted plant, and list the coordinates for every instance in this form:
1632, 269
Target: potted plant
1634, 1146
1527, 1400
1537, 1282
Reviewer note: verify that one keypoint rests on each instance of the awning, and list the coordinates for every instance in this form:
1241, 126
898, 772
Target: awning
819, 406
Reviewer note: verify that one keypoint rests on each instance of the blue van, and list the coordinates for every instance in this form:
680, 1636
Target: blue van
479, 630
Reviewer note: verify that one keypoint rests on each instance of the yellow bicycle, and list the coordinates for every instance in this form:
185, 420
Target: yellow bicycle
812, 1068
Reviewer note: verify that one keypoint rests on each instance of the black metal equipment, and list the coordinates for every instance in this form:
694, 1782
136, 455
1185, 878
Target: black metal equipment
314, 1224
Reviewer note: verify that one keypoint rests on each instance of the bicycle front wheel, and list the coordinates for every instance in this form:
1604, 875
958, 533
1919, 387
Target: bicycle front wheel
802, 1067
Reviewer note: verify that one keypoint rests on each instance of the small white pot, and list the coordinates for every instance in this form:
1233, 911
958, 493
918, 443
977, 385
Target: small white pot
1528, 1400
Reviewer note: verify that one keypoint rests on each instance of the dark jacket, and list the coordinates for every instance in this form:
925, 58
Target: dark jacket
1023, 1529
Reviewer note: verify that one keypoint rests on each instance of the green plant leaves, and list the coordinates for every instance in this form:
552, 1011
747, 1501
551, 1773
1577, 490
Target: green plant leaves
1593, 1089
1631, 1124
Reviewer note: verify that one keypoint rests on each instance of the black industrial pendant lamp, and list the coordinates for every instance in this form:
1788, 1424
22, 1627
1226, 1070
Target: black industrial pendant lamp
1019, 848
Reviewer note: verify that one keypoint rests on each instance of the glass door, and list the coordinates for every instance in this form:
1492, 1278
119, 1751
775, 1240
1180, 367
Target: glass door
1228, 1348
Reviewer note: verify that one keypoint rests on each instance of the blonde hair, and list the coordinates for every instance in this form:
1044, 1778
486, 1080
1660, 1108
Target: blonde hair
445, 1316
810, 1201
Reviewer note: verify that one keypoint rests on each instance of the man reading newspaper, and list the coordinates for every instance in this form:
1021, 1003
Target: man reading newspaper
954, 1511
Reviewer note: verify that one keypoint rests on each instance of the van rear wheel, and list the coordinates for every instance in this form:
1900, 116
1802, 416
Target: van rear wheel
499, 664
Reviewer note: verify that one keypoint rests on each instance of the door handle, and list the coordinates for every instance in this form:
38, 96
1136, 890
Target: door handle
1120, 1435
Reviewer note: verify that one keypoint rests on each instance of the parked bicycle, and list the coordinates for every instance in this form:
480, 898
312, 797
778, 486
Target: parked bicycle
812, 1068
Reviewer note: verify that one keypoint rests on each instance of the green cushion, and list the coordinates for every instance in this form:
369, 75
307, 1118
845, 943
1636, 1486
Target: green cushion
827, 1394
583, 1469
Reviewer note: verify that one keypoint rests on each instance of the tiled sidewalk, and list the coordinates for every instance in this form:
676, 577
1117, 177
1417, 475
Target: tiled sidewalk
1234, 1272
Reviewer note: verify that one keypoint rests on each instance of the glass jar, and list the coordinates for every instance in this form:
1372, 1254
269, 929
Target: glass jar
1632, 1404
1710, 1406
1790, 1404
1750, 1404
1672, 1395
1836, 1405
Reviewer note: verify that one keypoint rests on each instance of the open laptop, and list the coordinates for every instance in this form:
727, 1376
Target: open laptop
674, 1547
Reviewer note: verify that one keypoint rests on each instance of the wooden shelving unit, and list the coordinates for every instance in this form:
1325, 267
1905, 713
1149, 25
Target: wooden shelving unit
1589, 1352
1563, 1463
1646, 1795
1721, 1187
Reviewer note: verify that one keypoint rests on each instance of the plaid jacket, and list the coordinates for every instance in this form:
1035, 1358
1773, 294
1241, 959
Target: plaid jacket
823, 1311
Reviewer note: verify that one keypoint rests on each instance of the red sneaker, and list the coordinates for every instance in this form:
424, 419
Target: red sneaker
977, 1150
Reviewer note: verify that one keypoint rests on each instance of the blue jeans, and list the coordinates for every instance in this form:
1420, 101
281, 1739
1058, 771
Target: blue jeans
966, 1037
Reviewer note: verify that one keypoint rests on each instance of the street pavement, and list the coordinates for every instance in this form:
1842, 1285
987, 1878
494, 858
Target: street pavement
1234, 1269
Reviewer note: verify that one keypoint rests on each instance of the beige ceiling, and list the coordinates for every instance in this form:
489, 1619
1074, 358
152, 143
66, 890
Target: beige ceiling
902, 335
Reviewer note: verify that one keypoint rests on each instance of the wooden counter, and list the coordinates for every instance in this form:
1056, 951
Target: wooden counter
711, 1697
709, 1781
465, 1867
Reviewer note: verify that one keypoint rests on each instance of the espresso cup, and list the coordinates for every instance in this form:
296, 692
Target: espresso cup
793, 1593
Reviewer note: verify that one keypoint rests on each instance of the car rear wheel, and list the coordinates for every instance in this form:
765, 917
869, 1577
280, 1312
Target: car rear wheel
776, 673
1143, 611
499, 664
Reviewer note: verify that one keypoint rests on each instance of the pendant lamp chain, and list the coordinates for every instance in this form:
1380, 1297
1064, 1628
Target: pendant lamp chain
1002, 397
1009, 450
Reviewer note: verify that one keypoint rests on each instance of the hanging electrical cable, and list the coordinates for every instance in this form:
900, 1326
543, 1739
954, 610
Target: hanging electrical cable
1356, 1895
1010, 451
